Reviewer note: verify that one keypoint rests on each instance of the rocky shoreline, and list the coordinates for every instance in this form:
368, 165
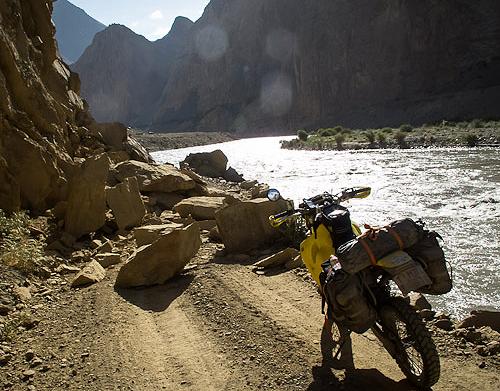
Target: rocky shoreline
155, 142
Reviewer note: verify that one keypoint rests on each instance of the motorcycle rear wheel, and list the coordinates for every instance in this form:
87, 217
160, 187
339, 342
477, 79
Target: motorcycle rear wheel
414, 349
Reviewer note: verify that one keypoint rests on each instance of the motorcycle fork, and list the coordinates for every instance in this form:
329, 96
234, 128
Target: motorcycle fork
385, 339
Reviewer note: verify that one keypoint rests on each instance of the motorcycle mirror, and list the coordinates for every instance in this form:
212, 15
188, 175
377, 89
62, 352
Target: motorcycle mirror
273, 195
362, 192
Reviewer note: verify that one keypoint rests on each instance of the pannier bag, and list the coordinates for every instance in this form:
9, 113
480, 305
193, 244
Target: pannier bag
430, 254
407, 273
347, 304
376, 243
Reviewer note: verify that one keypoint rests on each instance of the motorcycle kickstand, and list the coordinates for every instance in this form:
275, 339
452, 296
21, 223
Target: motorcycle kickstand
342, 343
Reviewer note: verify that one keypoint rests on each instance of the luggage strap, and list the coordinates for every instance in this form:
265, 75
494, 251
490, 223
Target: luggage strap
369, 251
396, 236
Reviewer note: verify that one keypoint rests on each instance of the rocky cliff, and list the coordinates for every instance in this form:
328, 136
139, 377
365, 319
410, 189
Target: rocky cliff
74, 29
46, 130
283, 64
125, 73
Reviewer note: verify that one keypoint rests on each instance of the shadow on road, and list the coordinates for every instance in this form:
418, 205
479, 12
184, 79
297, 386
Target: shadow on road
157, 298
354, 379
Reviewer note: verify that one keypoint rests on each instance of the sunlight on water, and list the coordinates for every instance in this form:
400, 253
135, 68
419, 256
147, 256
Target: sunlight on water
456, 191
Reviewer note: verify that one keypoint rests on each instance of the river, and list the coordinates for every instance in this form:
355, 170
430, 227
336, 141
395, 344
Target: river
455, 191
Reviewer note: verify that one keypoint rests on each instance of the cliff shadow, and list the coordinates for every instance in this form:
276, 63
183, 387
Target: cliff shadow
157, 298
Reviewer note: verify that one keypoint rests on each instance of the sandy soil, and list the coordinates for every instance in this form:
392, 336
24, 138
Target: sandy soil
218, 326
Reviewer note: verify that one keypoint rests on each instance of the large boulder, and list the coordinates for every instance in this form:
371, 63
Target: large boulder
158, 262
136, 151
200, 208
245, 225
86, 208
126, 203
211, 164
480, 318
154, 178
151, 233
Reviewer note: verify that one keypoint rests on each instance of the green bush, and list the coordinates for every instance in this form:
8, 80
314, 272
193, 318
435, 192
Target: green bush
476, 124
387, 130
370, 136
381, 138
400, 138
302, 135
326, 132
472, 140
339, 139
406, 128
338, 129
17, 248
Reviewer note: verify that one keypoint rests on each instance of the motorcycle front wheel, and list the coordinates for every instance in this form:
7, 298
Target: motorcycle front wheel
414, 350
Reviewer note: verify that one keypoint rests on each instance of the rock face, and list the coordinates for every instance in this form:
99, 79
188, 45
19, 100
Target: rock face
244, 225
87, 197
125, 73
276, 65
156, 263
126, 203
74, 29
39, 105
45, 125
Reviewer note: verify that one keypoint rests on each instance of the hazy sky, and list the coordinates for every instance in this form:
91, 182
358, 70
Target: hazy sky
151, 18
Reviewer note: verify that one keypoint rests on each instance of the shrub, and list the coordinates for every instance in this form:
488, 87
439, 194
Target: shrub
326, 132
346, 131
302, 135
17, 248
400, 138
406, 128
471, 140
370, 136
339, 139
476, 123
382, 138
387, 130
338, 129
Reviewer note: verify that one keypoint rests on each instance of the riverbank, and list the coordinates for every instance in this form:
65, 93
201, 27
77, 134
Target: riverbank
154, 142
446, 134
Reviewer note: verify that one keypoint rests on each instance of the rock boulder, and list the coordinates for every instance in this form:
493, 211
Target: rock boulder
245, 225
201, 208
149, 234
156, 263
211, 164
480, 318
93, 272
126, 203
154, 178
86, 206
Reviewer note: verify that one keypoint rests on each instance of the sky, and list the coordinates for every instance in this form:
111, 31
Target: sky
151, 18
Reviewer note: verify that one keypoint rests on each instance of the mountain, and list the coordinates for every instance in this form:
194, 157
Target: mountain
279, 65
74, 29
125, 73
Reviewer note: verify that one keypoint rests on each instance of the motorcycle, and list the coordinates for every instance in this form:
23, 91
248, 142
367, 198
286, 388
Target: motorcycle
395, 323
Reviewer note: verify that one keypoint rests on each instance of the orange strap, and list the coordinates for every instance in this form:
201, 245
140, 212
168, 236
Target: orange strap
369, 251
396, 236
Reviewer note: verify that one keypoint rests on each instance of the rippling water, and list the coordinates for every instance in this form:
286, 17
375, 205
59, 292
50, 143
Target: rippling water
456, 191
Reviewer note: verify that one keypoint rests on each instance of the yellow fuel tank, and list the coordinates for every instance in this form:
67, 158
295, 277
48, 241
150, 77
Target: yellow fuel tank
317, 248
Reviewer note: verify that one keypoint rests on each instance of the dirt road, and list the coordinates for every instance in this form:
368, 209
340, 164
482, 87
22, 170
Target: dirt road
219, 326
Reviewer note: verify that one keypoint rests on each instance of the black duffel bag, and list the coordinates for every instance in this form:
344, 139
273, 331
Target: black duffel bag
347, 303
376, 243
429, 253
